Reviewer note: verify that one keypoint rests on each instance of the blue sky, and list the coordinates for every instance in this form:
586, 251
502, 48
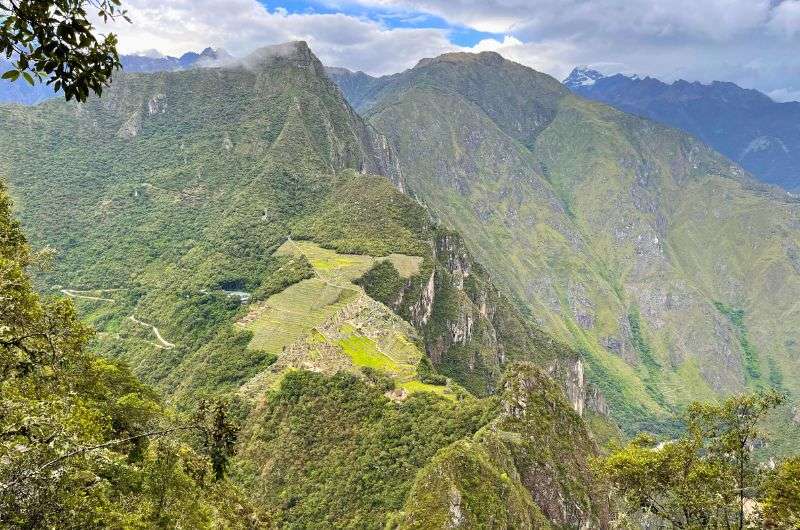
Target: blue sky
391, 18
750, 42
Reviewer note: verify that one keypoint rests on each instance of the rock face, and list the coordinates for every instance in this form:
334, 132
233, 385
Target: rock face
223, 160
217, 170
616, 235
526, 469
471, 330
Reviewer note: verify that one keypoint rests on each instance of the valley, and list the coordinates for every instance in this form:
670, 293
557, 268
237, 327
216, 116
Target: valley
426, 300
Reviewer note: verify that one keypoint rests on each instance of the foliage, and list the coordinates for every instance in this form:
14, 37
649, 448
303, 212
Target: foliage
76, 429
427, 374
750, 360
365, 215
382, 282
703, 479
651, 365
781, 499
582, 212
173, 207
528, 468
378, 379
333, 452
54, 40
218, 435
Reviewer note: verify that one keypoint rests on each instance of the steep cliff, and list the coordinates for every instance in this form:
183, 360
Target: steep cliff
471, 330
528, 468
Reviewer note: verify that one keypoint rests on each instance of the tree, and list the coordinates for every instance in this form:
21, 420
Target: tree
781, 501
704, 479
53, 41
217, 433
729, 431
83, 443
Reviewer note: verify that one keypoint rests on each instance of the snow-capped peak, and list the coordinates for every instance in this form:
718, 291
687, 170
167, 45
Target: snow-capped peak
582, 76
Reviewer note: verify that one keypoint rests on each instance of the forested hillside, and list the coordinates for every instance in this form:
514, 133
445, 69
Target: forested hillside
234, 233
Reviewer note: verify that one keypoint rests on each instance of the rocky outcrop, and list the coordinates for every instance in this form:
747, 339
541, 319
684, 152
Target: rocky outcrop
471, 331
529, 468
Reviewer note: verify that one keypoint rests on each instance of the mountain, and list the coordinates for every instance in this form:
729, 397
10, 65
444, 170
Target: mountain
745, 125
25, 94
239, 232
669, 268
21, 93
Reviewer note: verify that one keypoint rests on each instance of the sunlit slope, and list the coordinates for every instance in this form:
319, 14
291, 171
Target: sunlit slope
235, 232
327, 323
176, 189
630, 240
176, 193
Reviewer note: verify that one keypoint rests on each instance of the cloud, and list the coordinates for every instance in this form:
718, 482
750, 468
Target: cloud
716, 19
783, 95
785, 19
176, 26
750, 42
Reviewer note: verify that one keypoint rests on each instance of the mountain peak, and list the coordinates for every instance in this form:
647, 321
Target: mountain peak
215, 53
487, 58
582, 76
296, 52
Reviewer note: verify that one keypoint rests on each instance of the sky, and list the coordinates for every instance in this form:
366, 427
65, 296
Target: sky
753, 43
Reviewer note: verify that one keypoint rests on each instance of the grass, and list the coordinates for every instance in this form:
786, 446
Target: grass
337, 268
300, 311
328, 264
418, 386
749, 354
407, 266
364, 352
294, 312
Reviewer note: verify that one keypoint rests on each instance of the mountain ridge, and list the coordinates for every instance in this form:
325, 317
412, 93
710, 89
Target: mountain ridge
743, 124
25, 94
585, 214
236, 232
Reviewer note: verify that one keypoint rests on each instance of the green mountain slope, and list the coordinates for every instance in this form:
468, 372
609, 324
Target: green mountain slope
235, 231
668, 267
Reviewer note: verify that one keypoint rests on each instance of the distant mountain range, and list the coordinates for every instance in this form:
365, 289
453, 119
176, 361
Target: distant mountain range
30, 95
747, 126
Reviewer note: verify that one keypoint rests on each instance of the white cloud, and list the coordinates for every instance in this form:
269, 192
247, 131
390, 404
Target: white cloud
750, 42
784, 95
657, 18
176, 26
785, 19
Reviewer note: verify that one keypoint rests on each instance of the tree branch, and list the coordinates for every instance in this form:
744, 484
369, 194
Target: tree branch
89, 448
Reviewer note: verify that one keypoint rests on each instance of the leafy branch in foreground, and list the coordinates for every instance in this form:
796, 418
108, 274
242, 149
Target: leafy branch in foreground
707, 478
54, 41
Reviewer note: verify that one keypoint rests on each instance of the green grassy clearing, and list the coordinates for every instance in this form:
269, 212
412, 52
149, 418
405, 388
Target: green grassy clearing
334, 267
298, 312
364, 352
294, 312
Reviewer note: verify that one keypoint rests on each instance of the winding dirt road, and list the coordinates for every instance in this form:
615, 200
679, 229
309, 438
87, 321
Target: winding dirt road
162, 342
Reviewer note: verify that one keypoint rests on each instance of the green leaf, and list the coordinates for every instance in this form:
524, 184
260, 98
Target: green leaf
28, 78
11, 75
